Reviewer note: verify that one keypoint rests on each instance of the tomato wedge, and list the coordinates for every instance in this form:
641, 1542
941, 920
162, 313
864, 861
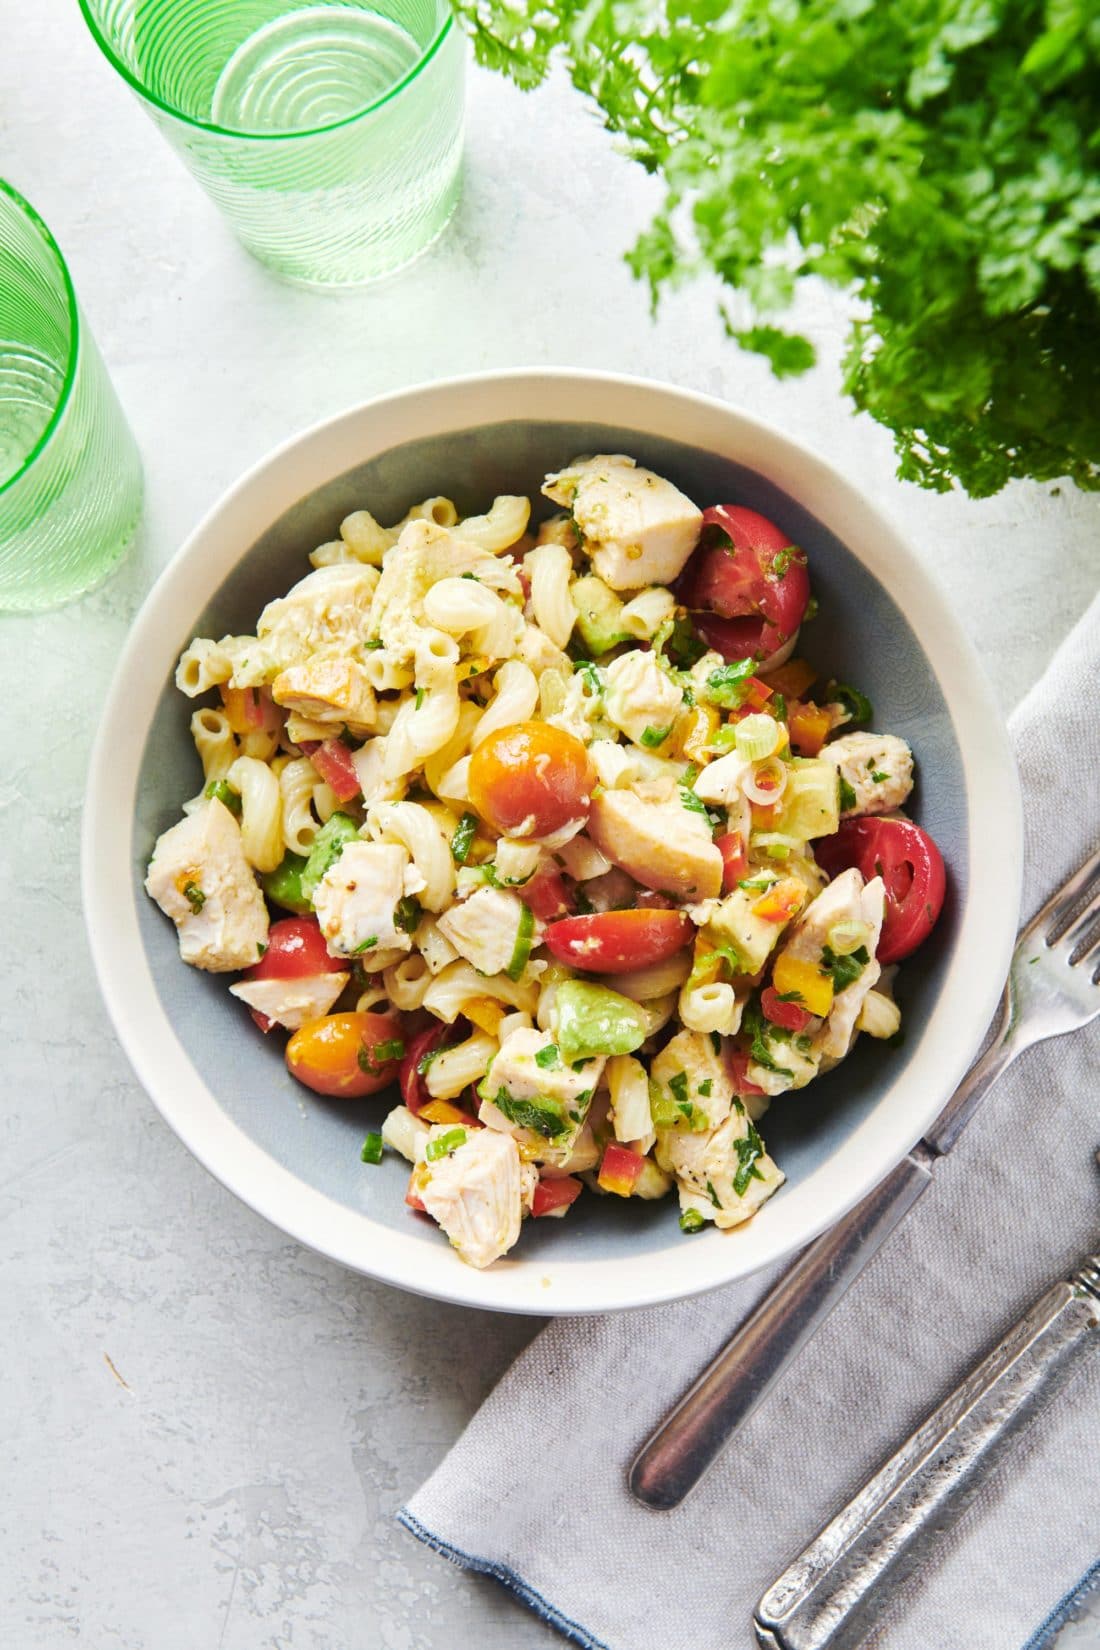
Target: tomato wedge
746, 582
549, 896
737, 1064
414, 1090
295, 948
333, 762
909, 863
611, 942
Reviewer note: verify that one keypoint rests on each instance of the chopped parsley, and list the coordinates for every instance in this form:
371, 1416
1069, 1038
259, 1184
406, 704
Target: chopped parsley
367, 945
684, 647
706, 1087
848, 798
652, 737
542, 1114
419, 698
760, 1033
548, 1057
728, 684
713, 1195
693, 803
194, 896
678, 1085
880, 778
373, 643
749, 1150
463, 838
844, 969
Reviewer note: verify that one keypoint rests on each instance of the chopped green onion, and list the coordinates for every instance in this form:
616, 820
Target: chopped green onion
372, 1149
678, 1084
522, 948
691, 1221
548, 1057
652, 737
219, 790
194, 896
392, 1049
848, 798
774, 844
463, 838
756, 737
855, 703
407, 914
846, 937
444, 1144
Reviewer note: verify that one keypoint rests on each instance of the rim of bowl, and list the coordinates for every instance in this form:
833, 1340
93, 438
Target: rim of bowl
121, 67
549, 1287
39, 223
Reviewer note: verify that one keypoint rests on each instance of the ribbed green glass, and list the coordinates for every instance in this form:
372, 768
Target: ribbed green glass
329, 132
70, 475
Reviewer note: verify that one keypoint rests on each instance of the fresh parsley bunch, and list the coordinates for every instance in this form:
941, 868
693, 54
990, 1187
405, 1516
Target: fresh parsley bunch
940, 159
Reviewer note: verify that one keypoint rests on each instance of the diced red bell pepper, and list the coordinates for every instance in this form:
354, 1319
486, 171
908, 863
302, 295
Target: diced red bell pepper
551, 1195
809, 727
414, 1202
620, 1169
333, 762
734, 863
757, 693
782, 901
791, 1016
737, 1065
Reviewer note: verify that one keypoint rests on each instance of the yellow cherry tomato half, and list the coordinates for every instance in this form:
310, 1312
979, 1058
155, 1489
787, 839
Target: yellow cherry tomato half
346, 1055
530, 779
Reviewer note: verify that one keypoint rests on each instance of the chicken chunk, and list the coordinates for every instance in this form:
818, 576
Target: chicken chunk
477, 1193
357, 898
664, 845
326, 612
639, 529
693, 1080
878, 768
641, 699
199, 877
489, 929
424, 554
734, 922
846, 899
290, 1003
516, 1069
327, 691
724, 1174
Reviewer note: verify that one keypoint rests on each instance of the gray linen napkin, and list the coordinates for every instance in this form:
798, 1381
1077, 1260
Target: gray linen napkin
534, 1491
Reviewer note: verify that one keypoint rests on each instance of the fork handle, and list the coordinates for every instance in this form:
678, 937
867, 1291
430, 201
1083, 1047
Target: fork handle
691, 1438
819, 1603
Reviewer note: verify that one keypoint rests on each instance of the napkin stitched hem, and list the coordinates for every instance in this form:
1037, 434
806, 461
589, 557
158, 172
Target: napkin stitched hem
508, 1578
1063, 1610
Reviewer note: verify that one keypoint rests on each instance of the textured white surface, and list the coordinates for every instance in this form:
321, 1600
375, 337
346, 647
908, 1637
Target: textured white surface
237, 1492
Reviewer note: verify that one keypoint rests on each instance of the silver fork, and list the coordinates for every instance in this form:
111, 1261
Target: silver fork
1048, 992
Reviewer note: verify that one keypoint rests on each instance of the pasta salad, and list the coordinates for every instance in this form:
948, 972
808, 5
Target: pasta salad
548, 826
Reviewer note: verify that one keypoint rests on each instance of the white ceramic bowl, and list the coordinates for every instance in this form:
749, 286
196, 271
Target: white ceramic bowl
294, 1158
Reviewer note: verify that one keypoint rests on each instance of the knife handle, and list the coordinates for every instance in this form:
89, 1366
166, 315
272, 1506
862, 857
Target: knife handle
820, 1602
689, 1440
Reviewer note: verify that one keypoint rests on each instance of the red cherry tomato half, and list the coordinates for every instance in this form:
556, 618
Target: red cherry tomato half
549, 896
555, 1194
333, 762
909, 863
295, 948
410, 1078
612, 942
792, 1016
748, 582
530, 779
346, 1055
734, 863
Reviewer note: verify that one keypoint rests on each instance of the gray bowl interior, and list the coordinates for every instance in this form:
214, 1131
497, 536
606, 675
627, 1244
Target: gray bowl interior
860, 636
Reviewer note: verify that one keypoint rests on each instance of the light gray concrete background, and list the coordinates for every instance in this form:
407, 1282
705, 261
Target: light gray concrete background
204, 1429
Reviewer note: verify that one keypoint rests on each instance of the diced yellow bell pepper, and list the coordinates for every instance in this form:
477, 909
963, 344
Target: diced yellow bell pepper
697, 730
441, 1111
814, 988
793, 678
485, 1013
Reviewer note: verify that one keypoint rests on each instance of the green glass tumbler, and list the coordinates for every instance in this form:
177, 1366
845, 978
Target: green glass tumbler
329, 132
70, 475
